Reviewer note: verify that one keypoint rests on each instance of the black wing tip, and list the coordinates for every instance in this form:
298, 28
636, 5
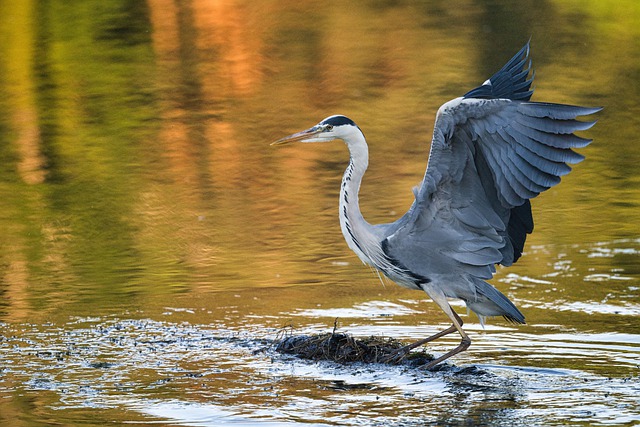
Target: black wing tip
520, 225
510, 82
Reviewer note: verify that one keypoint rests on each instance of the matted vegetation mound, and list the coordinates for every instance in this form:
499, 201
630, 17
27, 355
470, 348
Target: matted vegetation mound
344, 348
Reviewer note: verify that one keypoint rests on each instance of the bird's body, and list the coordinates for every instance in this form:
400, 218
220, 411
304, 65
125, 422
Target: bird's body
492, 150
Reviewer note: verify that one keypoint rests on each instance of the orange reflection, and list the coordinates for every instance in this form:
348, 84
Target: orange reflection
230, 41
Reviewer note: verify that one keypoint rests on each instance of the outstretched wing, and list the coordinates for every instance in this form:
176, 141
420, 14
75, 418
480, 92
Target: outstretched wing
491, 152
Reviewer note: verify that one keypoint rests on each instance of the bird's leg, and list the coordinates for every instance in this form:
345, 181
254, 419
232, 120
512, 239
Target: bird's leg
464, 343
434, 337
400, 353
439, 298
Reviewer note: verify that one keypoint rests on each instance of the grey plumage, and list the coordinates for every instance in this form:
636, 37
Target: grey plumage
492, 151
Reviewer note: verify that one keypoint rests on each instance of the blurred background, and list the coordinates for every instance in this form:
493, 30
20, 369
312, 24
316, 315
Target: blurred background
136, 173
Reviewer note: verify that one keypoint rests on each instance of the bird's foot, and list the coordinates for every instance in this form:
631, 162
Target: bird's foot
464, 344
396, 356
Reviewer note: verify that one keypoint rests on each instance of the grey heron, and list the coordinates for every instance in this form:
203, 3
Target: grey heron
492, 150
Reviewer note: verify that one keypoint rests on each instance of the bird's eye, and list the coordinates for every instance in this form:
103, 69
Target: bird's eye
328, 128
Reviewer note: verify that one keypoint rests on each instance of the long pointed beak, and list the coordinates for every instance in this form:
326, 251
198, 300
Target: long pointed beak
299, 136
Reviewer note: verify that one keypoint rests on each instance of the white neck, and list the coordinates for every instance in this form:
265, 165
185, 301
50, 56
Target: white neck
357, 232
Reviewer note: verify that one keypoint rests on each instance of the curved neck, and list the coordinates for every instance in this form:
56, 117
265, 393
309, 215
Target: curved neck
357, 232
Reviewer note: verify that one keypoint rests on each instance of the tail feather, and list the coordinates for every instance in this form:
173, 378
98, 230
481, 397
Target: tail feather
492, 302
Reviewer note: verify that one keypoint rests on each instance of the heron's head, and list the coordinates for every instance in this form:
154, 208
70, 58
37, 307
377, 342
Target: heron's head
333, 127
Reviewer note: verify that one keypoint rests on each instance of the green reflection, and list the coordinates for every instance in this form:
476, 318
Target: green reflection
107, 84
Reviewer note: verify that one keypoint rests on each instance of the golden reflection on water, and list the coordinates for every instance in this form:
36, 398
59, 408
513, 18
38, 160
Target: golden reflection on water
170, 142
136, 171
163, 153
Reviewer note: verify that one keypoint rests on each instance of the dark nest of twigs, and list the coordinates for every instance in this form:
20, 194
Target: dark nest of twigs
344, 348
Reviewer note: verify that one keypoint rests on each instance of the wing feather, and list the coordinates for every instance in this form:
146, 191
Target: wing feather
552, 154
533, 166
549, 125
515, 166
492, 151
552, 139
503, 180
488, 158
556, 111
510, 82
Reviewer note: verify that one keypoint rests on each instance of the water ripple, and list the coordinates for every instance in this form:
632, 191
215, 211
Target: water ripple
206, 375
